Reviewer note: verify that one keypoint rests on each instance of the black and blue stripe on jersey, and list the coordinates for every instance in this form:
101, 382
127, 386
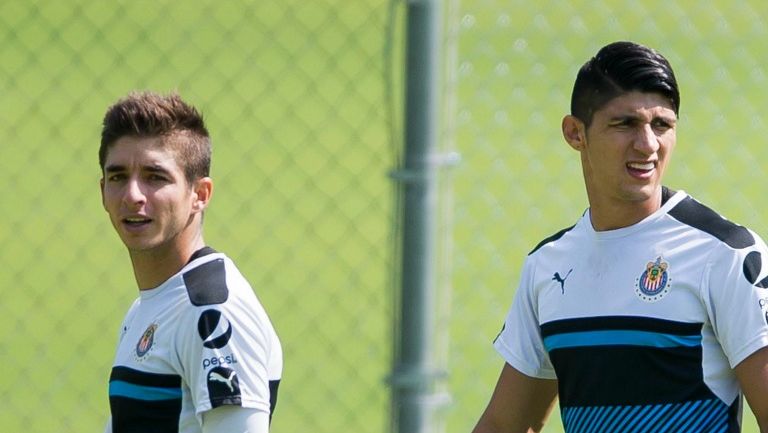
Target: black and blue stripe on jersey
659, 361
136, 396
641, 364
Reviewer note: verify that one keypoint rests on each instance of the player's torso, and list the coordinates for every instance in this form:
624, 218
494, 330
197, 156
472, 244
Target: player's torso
147, 369
643, 274
199, 341
623, 321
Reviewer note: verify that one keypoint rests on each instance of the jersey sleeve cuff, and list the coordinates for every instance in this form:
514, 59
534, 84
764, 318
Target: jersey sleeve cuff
753, 346
205, 406
527, 368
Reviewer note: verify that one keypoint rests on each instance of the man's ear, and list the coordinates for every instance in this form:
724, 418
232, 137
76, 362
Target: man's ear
201, 193
574, 132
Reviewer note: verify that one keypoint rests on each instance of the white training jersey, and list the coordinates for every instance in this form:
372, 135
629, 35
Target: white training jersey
642, 325
198, 341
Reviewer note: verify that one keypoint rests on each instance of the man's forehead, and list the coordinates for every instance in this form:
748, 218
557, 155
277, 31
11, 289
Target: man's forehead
638, 104
143, 151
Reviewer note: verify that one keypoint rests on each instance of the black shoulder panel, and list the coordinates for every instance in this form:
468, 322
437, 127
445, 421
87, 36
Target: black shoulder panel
207, 283
696, 215
552, 238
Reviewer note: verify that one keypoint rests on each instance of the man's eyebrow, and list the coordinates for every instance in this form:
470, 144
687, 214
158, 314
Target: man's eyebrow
112, 168
155, 168
624, 118
668, 119
634, 118
151, 168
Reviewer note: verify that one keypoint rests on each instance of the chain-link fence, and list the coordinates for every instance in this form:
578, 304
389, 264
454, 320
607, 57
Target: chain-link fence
293, 93
298, 99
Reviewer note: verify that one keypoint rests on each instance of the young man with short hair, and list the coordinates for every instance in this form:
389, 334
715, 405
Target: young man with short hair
649, 314
197, 352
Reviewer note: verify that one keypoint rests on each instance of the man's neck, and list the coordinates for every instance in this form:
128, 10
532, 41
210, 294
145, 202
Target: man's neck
152, 268
611, 216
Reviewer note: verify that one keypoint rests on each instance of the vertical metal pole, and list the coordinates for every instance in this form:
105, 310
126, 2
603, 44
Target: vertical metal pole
415, 375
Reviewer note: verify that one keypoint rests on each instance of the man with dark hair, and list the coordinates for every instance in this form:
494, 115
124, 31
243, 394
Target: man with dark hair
616, 69
197, 352
649, 314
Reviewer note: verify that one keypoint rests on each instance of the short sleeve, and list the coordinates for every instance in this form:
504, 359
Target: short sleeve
735, 292
520, 342
226, 355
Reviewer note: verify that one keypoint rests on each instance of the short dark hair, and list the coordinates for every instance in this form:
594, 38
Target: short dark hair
149, 114
619, 68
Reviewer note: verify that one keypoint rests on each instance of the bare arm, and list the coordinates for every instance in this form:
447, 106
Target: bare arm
235, 419
753, 378
519, 404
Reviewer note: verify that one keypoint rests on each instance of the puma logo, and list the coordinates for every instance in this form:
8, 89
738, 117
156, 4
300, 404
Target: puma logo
216, 377
561, 280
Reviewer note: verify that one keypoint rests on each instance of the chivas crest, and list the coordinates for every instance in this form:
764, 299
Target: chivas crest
145, 342
653, 283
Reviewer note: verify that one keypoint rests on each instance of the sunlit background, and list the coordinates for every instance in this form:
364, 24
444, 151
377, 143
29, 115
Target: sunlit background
304, 103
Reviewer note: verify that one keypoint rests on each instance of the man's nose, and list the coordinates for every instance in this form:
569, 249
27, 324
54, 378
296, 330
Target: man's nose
134, 193
647, 141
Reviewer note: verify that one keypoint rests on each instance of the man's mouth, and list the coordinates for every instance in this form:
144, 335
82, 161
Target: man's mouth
136, 221
641, 168
644, 166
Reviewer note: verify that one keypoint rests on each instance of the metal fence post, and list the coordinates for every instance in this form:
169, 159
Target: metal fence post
415, 375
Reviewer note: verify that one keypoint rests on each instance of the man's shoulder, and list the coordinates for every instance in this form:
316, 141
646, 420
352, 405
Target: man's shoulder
206, 282
552, 238
213, 279
700, 217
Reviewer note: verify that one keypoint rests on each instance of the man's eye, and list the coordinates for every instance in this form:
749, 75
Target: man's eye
623, 125
663, 126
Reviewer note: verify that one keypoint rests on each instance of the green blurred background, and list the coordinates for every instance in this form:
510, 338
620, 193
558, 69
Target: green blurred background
302, 100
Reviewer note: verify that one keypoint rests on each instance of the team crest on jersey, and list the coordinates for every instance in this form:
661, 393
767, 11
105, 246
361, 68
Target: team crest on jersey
146, 342
653, 283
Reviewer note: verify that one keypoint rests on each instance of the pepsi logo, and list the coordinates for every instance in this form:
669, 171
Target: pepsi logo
215, 330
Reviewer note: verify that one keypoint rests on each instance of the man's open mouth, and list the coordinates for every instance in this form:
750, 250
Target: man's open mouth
136, 221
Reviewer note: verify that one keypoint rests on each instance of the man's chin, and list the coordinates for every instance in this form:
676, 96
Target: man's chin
642, 193
140, 246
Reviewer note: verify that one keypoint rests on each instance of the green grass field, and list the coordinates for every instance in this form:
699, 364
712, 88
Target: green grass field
295, 98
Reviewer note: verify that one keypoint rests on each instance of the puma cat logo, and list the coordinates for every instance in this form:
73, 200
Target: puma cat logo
561, 280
